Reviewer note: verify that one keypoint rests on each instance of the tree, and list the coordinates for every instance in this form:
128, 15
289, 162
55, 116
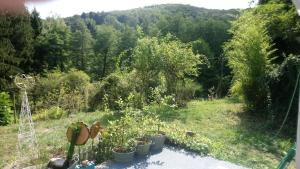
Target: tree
147, 63
106, 48
36, 23
16, 47
91, 25
82, 47
178, 62
248, 54
168, 57
54, 45
38, 61
283, 26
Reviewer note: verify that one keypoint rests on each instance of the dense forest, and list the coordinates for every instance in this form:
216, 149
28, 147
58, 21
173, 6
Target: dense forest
162, 53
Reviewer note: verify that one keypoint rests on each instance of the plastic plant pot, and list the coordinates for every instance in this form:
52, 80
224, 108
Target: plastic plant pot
123, 157
158, 141
143, 149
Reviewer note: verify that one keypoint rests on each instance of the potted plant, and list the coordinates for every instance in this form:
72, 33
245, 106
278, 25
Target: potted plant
125, 146
158, 137
143, 145
143, 141
124, 152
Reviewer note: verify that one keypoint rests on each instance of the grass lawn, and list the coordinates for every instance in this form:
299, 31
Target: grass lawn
234, 136
231, 134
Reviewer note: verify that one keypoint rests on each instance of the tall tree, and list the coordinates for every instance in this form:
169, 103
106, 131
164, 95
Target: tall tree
106, 48
16, 39
249, 53
37, 58
36, 23
82, 46
54, 44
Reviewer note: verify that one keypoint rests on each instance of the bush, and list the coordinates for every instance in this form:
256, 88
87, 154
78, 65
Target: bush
70, 91
5, 109
111, 89
52, 113
186, 92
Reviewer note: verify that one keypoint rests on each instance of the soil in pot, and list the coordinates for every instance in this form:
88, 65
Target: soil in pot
122, 155
143, 147
158, 141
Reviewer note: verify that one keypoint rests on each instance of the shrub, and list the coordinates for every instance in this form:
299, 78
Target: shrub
110, 90
52, 113
186, 92
70, 91
5, 109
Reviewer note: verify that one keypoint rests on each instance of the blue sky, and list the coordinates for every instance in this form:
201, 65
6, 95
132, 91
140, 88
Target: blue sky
65, 8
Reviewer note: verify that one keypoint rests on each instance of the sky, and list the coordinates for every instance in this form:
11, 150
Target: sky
66, 8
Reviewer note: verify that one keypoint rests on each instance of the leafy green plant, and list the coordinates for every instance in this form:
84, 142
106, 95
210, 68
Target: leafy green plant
124, 134
67, 90
5, 109
52, 113
250, 62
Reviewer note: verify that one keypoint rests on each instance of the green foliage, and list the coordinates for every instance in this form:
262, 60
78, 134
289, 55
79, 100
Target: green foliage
177, 137
186, 91
106, 48
51, 113
187, 23
82, 45
111, 89
36, 22
163, 62
69, 91
178, 61
250, 62
122, 130
147, 63
16, 39
53, 45
221, 125
282, 81
5, 109
283, 26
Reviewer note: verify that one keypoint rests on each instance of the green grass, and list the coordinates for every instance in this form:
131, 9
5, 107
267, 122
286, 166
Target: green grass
51, 137
230, 134
233, 135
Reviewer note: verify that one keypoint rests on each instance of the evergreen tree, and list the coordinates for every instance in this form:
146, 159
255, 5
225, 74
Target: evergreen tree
54, 44
82, 46
16, 45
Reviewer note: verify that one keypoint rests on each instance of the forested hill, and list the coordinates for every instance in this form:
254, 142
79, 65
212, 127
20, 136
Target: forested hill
186, 22
207, 29
93, 42
156, 12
